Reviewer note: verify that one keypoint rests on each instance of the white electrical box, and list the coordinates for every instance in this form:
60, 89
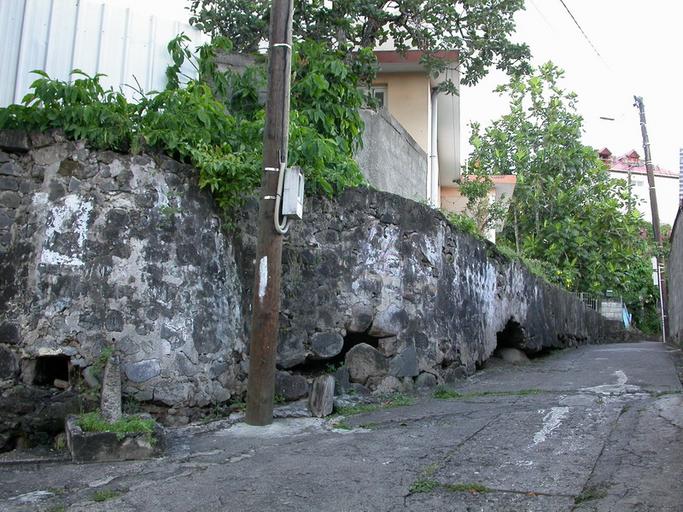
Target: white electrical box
293, 193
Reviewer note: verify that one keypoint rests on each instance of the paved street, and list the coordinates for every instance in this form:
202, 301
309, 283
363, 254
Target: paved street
598, 428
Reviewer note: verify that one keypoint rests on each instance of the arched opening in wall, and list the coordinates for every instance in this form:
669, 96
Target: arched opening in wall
49, 369
512, 336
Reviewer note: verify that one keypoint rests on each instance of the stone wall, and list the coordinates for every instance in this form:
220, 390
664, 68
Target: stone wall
99, 246
675, 272
390, 159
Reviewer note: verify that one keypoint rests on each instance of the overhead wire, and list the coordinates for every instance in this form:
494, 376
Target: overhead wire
588, 39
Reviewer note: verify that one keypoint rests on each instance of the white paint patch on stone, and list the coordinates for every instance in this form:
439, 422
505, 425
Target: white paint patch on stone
101, 481
242, 456
551, 421
115, 168
39, 198
123, 269
262, 277
32, 497
72, 216
614, 389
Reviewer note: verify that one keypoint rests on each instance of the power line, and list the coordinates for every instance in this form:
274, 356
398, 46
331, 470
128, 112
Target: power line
583, 32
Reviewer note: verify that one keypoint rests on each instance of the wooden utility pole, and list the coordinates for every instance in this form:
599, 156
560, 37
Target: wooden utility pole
266, 298
663, 296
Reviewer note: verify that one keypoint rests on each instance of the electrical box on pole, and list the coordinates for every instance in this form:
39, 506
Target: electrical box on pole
293, 194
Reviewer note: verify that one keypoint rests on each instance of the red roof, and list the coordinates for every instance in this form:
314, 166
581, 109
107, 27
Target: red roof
631, 161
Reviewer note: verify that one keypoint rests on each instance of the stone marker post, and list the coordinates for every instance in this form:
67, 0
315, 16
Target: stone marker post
110, 400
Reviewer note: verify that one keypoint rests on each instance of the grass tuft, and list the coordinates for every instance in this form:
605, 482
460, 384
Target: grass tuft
473, 488
449, 394
94, 422
105, 494
443, 393
396, 400
424, 485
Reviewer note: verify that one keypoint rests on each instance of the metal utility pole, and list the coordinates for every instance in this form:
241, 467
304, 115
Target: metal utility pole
663, 296
266, 298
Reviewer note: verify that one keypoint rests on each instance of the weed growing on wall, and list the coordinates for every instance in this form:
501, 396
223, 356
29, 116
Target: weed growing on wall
215, 121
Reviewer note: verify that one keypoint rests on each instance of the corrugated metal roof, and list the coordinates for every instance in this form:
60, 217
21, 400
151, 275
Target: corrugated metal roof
58, 36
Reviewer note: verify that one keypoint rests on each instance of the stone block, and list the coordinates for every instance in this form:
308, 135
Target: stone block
9, 183
10, 168
90, 377
9, 364
290, 387
387, 385
41, 139
10, 199
110, 446
9, 333
321, 401
388, 346
454, 374
388, 322
143, 371
325, 345
404, 364
364, 361
290, 349
14, 141
50, 155
361, 318
425, 381
342, 380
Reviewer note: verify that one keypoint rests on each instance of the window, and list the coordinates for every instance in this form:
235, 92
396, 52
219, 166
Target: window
379, 93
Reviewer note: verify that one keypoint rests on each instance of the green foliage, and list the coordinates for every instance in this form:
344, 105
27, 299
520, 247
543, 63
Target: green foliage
423, 485
342, 425
83, 109
214, 122
105, 495
94, 422
472, 488
443, 393
390, 401
463, 223
478, 29
567, 218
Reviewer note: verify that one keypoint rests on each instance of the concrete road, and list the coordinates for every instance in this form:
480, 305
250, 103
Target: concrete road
598, 428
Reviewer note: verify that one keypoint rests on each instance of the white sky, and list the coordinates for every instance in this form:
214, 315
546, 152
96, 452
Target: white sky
640, 42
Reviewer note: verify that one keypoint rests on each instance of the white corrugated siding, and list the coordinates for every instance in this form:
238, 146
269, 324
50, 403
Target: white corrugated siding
58, 36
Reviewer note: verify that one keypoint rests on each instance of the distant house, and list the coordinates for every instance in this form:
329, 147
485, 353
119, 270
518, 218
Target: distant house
501, 189
412, 145
426, 119
631, 168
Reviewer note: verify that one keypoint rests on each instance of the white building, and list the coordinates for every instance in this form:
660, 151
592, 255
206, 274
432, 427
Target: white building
631, 168
127, 44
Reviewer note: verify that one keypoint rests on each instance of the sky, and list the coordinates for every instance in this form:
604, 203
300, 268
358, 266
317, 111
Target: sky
639, 42
640, 45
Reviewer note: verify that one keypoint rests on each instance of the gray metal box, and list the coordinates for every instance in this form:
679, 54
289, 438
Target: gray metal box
293, 193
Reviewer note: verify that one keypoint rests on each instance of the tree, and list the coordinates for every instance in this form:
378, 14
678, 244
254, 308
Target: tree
566, 210
479, 29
